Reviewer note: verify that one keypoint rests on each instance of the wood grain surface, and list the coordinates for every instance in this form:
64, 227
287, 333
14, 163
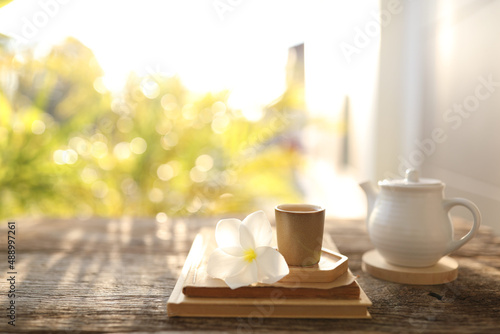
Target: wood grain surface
115, 275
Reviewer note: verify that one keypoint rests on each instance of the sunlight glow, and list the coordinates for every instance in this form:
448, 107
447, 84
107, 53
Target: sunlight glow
240, 59
445, 31
168, 38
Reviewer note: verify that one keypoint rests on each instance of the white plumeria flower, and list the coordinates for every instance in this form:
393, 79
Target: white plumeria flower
244, 255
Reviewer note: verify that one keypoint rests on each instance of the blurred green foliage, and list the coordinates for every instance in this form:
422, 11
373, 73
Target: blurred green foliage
4, 2
69, 147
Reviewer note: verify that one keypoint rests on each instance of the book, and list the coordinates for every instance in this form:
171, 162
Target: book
276, 305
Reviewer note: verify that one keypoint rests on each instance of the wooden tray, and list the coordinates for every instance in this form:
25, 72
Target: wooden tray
331, 266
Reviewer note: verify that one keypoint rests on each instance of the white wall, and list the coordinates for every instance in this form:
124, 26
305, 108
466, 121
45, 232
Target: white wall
435, 59
464, 107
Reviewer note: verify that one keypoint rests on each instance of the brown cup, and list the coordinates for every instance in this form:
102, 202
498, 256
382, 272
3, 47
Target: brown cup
299, 230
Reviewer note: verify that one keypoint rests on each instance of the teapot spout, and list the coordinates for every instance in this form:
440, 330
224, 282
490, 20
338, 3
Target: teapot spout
371, 193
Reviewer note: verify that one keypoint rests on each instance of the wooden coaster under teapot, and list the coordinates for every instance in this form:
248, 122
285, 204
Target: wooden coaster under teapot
445, 271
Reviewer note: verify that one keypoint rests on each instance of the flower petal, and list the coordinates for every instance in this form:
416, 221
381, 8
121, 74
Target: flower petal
271, 265
246, 277
227, 233
246, 238
234, 251
222, 265
258, 224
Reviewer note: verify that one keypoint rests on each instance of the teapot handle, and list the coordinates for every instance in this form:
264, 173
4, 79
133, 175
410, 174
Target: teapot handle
450, 203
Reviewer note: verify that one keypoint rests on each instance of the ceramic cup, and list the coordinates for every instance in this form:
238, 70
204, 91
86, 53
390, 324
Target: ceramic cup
299, 230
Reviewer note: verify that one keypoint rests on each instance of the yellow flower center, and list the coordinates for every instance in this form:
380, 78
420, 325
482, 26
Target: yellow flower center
249, 255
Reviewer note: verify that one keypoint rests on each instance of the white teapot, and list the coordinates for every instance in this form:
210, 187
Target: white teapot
408, 220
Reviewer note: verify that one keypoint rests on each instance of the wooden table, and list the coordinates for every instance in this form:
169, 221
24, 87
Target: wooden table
115, 275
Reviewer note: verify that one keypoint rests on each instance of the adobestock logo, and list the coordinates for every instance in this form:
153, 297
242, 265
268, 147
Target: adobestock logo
32, 25
461, 111
371, 31
454, 117
224, 6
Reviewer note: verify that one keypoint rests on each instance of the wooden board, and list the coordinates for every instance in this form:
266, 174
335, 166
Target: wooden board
275, 306
333, 265
445, 271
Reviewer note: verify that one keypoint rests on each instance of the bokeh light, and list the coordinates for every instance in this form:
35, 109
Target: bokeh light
80, 145
195, 205
161, 217
150, 88
99, 149
62, 157
204, 162
169, 140
155, 195
89, 175
220, 122
197, 175
122, 150
38, 127
165, 172
138, 145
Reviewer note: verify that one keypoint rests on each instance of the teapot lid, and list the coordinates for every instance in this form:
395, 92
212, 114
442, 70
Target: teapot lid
411, 180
